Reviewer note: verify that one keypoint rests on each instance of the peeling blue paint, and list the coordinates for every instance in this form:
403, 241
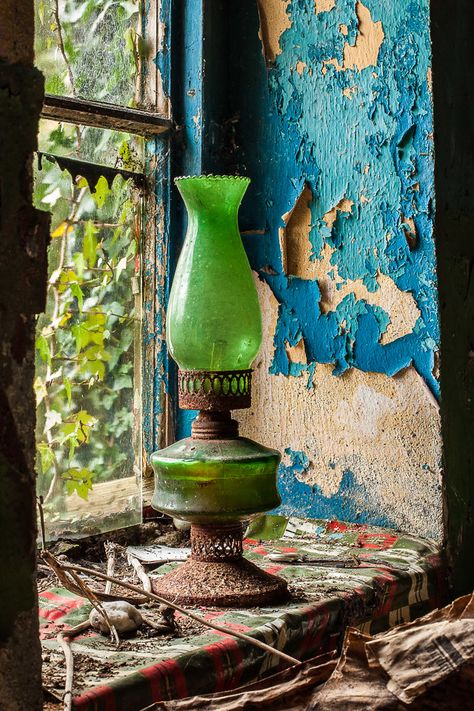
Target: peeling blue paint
378, 144
314, 134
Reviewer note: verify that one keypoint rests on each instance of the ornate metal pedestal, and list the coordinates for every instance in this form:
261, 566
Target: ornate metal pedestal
217, 575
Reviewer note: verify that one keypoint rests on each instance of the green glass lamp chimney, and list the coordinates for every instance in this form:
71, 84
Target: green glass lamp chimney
214, 321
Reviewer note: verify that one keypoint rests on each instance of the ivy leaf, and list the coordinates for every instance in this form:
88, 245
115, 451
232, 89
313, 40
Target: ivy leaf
80, 263
63, 230
101, 191
89, 245
42, 347
78, 293
47, 457
53, 417
79, 481
40, 390
121, 266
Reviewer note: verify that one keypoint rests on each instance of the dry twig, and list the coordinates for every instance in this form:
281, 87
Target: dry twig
140, 571
66, 647
233, 633
73, 587
98, 606
111, 553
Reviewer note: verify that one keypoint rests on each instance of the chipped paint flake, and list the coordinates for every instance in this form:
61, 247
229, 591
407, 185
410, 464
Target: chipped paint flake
400, 306
274, 20
344, 205
364, 53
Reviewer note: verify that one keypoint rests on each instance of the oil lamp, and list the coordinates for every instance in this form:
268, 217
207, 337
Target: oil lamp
215, 479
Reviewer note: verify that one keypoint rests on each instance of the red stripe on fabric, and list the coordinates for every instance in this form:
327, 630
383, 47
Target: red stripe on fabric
60, 611
289, 550
238, 665
101, 697
376, 540
390, 583
157, 675
50, 595
215, 653
312, 640
273, 569
336, 526
234, 626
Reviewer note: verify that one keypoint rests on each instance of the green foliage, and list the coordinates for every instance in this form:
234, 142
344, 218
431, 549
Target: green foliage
90, 48
86, 339
85, 353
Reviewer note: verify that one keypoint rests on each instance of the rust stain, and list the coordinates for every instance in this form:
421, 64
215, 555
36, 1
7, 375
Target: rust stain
274, 21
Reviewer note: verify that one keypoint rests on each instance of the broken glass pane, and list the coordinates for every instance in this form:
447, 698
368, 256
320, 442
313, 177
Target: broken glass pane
90, 49
88, 355
96, 145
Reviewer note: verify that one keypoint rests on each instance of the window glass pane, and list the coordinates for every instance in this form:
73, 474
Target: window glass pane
87, 355
97, 145
90, 49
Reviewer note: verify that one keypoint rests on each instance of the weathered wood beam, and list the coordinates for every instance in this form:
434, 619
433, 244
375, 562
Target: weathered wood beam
102, 115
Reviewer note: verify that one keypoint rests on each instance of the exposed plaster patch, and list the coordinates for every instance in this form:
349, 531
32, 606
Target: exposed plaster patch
331, 62
384, 430
297, 353
364, 53
300, 67
400, 306
344, 30
324, 5
349, 91
409, 229
294, 237
429, 79
274, 21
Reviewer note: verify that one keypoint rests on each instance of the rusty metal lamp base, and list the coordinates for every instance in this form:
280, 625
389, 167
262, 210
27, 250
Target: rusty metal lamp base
217, 575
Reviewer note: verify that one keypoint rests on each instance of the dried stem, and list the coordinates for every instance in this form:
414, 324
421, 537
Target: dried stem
66, 647
111, 553
140, 571
62, 49
97, 605
39, 500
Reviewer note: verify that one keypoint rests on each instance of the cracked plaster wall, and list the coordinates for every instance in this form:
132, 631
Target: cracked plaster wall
340, 149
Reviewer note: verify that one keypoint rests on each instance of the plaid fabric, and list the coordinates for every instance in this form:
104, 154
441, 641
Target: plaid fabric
400, 578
